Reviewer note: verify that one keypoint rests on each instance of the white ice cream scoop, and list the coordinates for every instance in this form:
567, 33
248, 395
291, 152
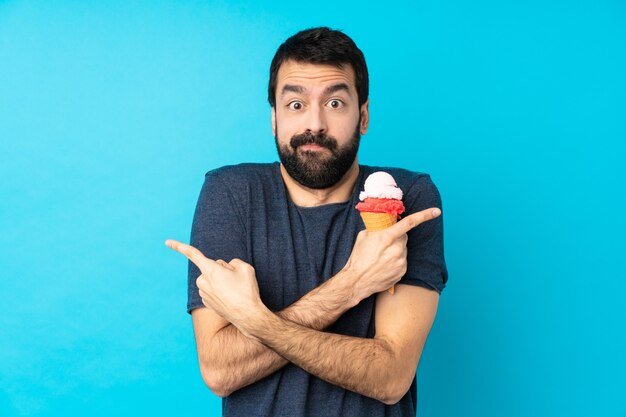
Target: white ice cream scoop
380, 185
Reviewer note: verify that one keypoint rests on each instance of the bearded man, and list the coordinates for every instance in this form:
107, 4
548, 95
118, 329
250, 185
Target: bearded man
287, 291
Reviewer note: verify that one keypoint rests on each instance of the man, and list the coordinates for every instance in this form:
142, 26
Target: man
287, 291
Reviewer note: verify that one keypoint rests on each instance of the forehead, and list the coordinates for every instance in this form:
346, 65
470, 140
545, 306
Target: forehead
314, 75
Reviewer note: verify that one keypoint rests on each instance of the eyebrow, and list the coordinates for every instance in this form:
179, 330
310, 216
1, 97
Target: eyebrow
301, 90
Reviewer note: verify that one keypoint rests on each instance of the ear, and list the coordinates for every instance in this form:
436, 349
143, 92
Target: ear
365, 116
274, 121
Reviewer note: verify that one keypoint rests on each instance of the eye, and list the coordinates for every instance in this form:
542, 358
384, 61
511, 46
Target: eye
335, 103
295, 105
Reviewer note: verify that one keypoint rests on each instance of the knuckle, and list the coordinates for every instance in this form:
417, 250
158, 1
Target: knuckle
361, 236
201, 283
386, 238
204, 298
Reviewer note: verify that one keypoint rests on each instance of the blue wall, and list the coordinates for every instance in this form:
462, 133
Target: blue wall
111, 113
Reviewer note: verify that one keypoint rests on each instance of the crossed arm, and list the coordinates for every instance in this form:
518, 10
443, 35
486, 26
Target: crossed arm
247, 360
260, 342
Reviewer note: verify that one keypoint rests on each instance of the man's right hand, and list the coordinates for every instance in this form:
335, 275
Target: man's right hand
378, 259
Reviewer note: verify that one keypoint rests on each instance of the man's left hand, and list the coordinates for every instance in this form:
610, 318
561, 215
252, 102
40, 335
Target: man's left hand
231, 289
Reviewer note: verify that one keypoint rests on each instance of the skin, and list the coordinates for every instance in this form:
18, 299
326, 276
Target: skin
314, 109
240, 340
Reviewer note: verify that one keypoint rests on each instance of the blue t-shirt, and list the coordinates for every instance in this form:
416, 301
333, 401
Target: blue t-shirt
245, 212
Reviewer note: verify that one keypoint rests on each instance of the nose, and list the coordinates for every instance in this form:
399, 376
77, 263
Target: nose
316, 122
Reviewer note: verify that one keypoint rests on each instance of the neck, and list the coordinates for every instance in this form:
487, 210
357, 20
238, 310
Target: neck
308, 197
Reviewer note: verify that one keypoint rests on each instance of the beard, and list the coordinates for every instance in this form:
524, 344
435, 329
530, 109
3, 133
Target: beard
317, 169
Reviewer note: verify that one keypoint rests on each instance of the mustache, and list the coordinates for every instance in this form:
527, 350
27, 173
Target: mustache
320, 139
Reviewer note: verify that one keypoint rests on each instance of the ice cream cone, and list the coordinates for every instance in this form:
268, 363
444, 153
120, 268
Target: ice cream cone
381, 203
379, 221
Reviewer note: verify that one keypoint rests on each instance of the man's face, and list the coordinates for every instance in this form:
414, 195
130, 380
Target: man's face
317, 122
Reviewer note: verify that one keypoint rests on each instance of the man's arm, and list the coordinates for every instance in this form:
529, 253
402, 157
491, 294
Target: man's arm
229, 360
378, 260
381, 368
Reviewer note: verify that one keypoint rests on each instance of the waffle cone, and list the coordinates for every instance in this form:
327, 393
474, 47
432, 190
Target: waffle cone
378, 221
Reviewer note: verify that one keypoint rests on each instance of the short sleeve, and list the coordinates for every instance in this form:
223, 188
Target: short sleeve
426, 265
217, 231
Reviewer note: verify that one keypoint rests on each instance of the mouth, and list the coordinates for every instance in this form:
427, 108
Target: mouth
311, 147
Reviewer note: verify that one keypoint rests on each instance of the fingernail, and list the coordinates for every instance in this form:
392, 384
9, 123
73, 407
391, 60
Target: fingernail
436, 212
168, 244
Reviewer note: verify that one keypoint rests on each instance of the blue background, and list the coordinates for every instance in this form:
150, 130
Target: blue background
111, 113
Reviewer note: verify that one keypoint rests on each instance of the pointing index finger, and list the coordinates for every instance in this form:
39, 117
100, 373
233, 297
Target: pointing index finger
414, 220
193, 254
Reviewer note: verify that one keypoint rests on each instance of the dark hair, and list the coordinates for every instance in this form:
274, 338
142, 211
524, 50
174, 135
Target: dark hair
321, 45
